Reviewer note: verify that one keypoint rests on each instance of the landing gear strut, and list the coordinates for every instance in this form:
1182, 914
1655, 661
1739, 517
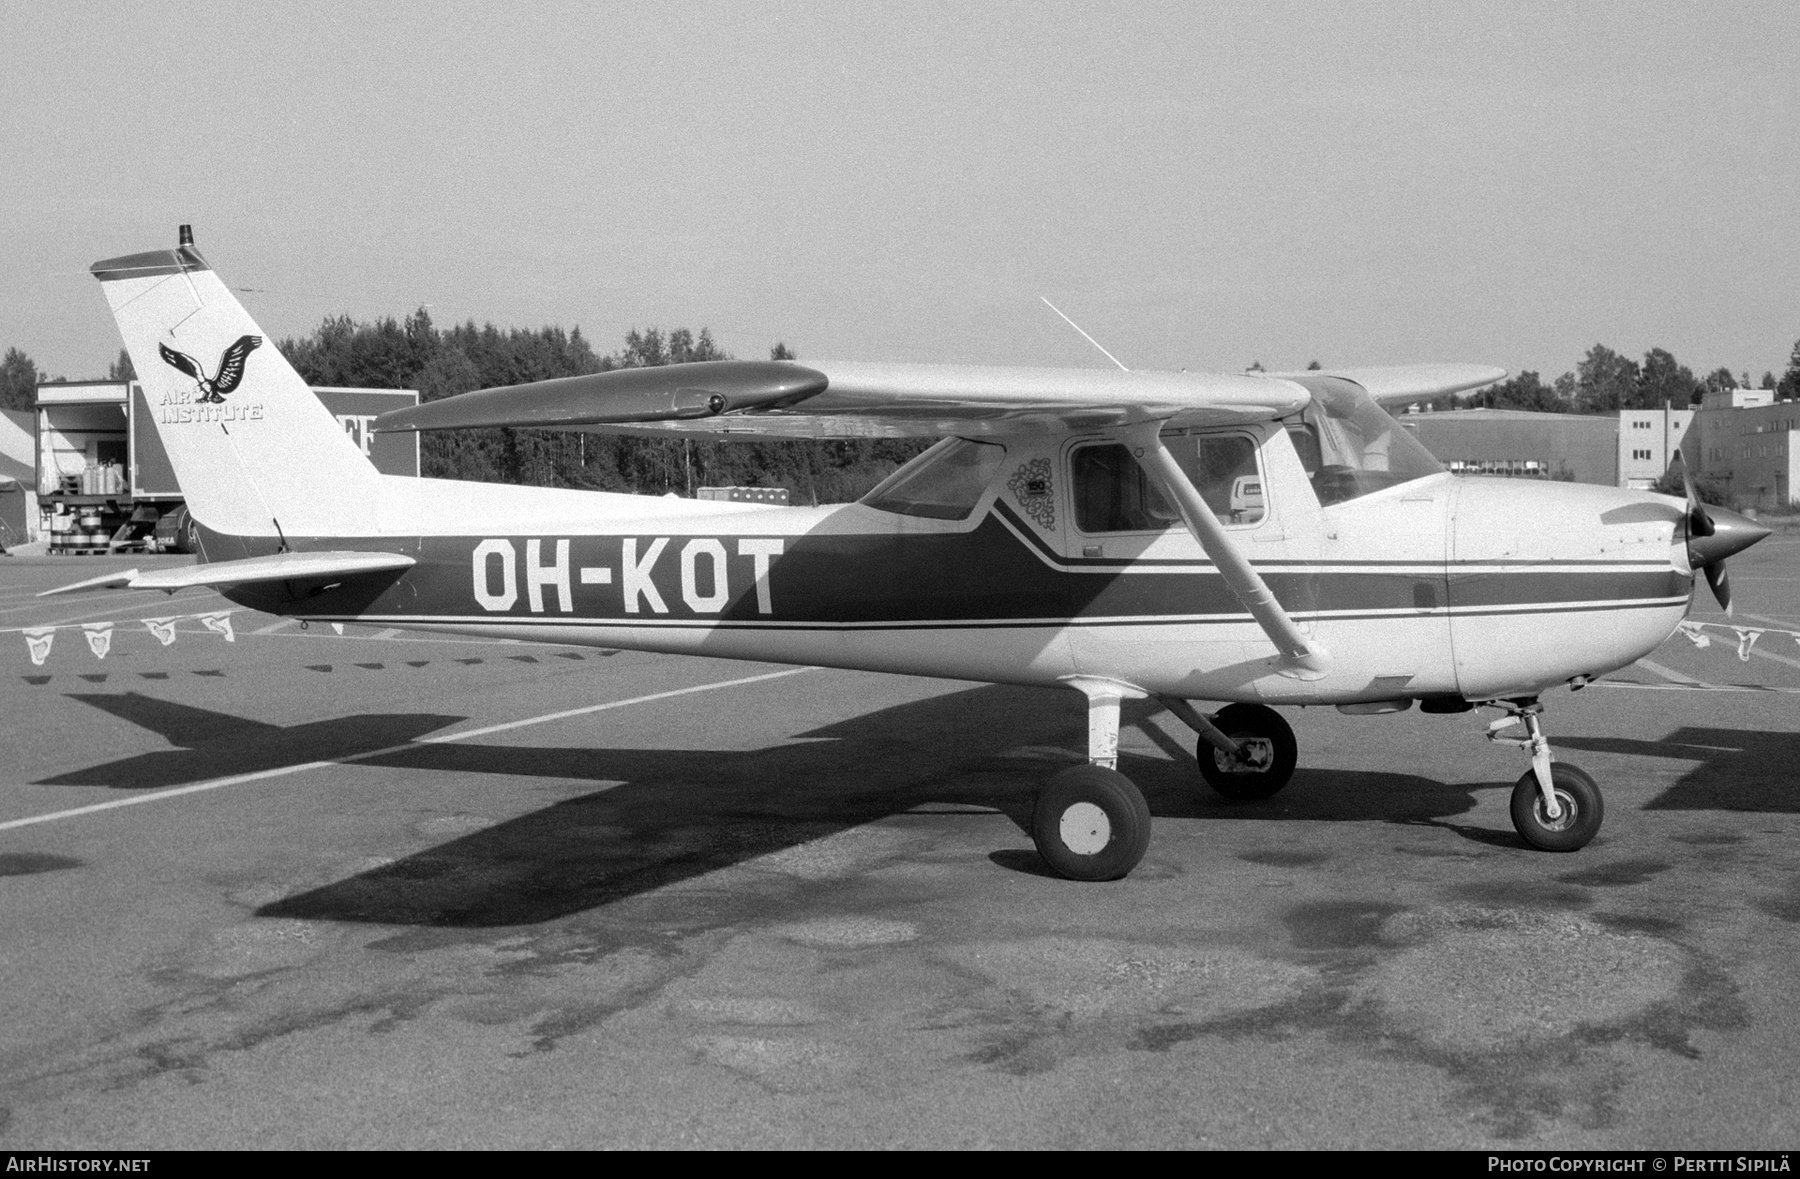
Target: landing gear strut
1555, 807
1091, 822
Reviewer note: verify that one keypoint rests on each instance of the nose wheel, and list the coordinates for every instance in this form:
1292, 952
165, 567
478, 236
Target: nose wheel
1580, 810
1555, 807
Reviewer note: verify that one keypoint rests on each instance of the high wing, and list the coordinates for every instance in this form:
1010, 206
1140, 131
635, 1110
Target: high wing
277, 567
754, 399
1399, 384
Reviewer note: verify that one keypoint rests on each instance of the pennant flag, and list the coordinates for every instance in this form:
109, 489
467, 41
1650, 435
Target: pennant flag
38, 639
338, 626
1695, 635
1746, 640
162, 628
99, 637
219, 623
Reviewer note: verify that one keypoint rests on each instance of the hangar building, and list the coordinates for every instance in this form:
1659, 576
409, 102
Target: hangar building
1575, 448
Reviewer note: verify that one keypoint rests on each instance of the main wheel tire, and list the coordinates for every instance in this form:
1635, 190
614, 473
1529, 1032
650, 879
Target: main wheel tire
1272, 750
1091, 823
1582, 810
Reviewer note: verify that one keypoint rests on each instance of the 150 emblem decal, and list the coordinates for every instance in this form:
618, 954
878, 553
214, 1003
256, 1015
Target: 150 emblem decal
1030, 485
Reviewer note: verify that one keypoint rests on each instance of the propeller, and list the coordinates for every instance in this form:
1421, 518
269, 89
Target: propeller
1714, 533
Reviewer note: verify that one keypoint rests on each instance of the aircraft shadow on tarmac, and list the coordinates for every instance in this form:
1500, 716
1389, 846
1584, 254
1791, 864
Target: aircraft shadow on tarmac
679, 814
1735, 770
667, 815
220, 745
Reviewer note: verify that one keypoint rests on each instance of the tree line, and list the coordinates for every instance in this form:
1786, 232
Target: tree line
1605, 382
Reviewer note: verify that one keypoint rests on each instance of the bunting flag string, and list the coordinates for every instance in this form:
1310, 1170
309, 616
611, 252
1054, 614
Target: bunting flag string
38, 640
1745, 636
1692, 632
99, 635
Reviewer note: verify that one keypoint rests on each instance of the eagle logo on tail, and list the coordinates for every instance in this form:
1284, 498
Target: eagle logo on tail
231, 367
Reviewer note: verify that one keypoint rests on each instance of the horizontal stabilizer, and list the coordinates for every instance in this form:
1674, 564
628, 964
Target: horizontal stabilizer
277, 567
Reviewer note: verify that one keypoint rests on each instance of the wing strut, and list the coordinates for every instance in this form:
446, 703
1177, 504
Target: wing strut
1305, 658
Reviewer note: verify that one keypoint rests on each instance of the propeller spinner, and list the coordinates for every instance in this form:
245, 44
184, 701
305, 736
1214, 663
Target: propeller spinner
1714, 533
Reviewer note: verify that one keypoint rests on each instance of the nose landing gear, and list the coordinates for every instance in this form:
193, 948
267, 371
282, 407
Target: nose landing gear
1555, 807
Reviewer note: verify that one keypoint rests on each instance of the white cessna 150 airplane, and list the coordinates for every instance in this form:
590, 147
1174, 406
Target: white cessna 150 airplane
1246, 540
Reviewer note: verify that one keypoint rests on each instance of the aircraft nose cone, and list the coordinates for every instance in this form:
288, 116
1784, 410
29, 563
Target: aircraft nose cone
1731, 534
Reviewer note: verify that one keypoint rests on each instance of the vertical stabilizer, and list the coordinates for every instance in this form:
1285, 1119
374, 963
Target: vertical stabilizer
255, 451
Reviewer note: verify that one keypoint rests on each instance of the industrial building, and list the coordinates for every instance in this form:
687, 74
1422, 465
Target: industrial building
1743, 439
1739, 438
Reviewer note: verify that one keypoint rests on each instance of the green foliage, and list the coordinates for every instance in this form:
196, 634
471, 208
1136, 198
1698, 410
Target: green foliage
415, 354
19, 379
1717, 381
1707, 489
1526, 391
1789, 385
121, 369
1604, 381
1662, 380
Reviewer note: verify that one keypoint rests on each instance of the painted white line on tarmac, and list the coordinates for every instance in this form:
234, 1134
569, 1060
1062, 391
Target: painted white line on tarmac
1667, 673
1777, 620
283, 771
1695, 687
274, 626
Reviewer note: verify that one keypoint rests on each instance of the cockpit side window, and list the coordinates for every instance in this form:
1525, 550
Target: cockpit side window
944, 483
1112, 493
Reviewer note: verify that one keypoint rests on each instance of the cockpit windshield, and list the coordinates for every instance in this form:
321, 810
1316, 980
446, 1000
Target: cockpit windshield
944, 483
1350, 446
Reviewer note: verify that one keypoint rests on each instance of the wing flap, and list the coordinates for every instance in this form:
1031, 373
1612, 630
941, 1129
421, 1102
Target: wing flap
276, 567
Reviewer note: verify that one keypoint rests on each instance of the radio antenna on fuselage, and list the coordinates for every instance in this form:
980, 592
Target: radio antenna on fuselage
1084, 335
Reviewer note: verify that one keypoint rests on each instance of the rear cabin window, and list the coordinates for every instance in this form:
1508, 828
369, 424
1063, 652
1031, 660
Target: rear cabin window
944, 483
1112, 493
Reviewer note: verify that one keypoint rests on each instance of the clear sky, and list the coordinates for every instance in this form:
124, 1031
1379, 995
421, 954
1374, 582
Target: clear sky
1198, 185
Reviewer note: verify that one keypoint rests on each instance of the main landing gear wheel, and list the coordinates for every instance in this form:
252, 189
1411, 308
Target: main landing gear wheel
1268, 759
1091, 823
1579, 800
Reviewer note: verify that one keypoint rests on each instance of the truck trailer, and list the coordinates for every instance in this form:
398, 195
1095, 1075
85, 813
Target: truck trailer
104, 480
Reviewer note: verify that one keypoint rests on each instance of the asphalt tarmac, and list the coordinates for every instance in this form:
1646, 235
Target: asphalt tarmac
381, 890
